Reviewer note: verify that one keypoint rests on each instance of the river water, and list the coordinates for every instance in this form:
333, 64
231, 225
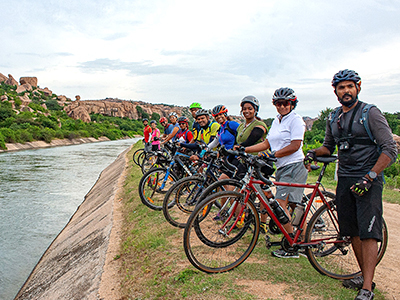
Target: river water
39, 192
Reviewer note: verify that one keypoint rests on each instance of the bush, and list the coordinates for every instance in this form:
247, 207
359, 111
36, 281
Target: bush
52, 104
8, 135
2, 142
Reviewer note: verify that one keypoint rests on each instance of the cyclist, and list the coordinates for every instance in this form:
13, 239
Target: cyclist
167, 127
285, 140
207, 133
184, 135
360, 178
226, 134
194, 107
146, 134
251, 132
155, 136
173, 118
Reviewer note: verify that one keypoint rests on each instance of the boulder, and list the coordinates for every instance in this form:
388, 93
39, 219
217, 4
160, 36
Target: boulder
26, 108
3, 78
25, 100
11, 80
77, 97
30, 80
23, 88
81, 113
46, 91
3, 98
62, 98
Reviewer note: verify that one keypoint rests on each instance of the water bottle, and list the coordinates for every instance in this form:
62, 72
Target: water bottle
298, 214
279, 212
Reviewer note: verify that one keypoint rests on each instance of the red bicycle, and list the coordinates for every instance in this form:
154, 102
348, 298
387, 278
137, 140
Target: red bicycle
218, 238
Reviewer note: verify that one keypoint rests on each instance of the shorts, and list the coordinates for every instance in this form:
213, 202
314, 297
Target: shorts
155, 147
360, 215
293, 173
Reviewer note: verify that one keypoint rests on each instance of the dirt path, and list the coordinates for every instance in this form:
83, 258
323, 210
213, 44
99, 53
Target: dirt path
387, 275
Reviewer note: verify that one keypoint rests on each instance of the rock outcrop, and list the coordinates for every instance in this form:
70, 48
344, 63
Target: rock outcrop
3, 78
81, 113
11, 81
30, 80
397, 140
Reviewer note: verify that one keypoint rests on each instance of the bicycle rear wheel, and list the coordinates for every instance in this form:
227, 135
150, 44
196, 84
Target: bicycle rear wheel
210, 242
136, 155
181, 199
334, 257
154, 185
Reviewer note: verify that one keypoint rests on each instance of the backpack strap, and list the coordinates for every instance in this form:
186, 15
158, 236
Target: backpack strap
230, 130
364, 120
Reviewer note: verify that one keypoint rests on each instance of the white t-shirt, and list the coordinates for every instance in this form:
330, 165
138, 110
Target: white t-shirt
291, 127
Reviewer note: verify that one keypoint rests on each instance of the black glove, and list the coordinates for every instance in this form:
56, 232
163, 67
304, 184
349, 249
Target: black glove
361, 186
310, 157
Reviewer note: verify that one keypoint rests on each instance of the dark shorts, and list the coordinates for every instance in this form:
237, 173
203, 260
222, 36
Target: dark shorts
360, 215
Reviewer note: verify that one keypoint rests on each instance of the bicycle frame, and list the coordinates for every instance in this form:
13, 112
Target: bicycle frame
254, 185
171, 164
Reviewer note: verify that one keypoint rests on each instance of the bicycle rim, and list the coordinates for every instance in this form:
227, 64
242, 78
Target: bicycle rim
153, 186
181, 199
209, 245
136, 154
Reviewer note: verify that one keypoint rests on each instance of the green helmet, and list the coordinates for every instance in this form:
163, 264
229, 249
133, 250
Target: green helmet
195, 105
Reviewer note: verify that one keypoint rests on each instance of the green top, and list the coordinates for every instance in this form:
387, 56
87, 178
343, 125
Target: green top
244, 132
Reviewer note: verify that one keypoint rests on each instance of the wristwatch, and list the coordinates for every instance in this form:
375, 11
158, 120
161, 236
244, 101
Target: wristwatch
372, 175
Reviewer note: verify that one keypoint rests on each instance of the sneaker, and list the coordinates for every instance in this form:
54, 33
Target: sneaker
263, 228
283, 254
356, 283
364, 295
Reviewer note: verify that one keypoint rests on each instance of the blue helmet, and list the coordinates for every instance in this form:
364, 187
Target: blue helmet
345, 75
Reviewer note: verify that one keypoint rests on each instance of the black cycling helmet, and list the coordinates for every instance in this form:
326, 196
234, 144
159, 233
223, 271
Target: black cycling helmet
219, 109
183, 119
153, 121
145, 120
285, 94
252, 100
202, 112
345, 75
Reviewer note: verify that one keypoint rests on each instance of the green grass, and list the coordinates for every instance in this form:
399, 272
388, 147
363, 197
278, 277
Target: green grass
154, 265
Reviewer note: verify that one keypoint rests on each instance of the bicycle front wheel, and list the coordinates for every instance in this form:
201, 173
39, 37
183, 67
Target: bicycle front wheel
136, 155
334, 256
181, 199
154, 185
211, 241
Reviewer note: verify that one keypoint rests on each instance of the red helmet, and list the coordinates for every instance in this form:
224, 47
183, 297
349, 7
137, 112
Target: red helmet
219, 109
163, 119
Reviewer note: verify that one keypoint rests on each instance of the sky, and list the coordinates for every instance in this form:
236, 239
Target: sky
211, 52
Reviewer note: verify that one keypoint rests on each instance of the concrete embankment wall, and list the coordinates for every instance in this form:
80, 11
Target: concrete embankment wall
72, 266
53, 143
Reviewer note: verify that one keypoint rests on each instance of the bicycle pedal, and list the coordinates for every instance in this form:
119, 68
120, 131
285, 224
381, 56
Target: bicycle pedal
268, 243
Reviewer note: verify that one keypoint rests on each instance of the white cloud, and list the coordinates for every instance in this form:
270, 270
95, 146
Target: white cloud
211, 51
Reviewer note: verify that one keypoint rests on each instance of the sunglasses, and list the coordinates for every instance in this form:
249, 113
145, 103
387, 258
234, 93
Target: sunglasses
282, 103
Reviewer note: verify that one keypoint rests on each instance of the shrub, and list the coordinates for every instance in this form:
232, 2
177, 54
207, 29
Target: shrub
2, 142
8, 135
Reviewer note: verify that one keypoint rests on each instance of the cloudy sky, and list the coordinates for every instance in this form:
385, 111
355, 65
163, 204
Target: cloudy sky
212, 52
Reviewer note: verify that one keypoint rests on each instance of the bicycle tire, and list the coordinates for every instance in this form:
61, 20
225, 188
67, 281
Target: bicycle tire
181, 199
334, 260
213, 251
135, 155
150, 184
149, 162
220, 186
140, 158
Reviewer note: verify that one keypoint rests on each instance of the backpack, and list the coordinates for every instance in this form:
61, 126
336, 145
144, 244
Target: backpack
230, 130
363, 120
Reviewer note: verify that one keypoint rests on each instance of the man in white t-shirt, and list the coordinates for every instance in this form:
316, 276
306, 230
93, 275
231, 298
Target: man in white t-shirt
285, 140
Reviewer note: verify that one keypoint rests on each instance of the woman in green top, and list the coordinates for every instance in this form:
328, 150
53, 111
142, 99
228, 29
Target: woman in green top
251, 132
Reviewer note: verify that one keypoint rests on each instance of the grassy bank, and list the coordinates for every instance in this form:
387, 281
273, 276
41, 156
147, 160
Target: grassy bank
154, 265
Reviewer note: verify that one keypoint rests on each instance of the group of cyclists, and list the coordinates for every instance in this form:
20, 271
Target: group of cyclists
283, 141
358, 130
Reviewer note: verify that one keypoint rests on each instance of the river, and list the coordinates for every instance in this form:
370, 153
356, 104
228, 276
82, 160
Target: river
39, 192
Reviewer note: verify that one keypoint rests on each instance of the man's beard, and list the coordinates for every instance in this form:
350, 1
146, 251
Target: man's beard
348, 103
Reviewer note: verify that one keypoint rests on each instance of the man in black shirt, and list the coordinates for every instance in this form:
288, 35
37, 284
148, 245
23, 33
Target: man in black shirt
360, 178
